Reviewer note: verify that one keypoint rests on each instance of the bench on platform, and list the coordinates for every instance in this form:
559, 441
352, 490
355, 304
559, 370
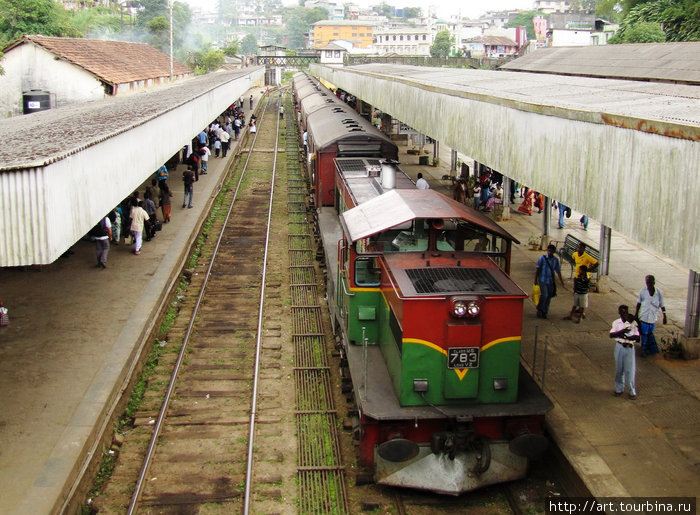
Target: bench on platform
568, 249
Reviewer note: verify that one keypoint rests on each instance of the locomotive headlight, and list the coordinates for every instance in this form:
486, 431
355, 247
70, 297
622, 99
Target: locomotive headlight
473, 309
461, 308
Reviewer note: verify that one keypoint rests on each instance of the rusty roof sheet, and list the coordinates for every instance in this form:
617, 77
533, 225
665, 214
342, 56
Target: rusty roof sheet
114, 62
666, 62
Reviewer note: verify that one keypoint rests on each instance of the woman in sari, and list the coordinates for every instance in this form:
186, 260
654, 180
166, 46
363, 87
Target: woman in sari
526, 205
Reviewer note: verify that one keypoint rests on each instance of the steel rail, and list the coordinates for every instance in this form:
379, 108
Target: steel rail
258, 342
183, 348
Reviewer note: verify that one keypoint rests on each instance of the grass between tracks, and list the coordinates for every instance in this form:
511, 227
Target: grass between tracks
109, 456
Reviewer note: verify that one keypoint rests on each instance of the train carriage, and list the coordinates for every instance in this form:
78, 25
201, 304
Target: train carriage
431, 327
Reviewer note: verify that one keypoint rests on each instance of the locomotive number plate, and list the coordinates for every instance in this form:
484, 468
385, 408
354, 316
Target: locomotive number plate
463, 357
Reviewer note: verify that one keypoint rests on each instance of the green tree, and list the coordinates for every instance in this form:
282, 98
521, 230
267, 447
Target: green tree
158, 30
231, 50
212, 60
524, 19
412, 12
442, 44
384, 9
44, 17
249, 45
99, 22
678, 19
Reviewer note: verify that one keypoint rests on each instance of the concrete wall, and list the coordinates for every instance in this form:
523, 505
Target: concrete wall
641, 184
29, 67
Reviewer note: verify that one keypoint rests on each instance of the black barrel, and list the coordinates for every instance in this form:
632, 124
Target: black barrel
35, 100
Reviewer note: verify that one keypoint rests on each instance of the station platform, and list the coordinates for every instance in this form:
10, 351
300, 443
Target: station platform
74, 329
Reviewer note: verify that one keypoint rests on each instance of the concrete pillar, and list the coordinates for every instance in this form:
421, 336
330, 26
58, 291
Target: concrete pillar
604, 264
505, 213
692, 307
436, 152
453, 161
546, 234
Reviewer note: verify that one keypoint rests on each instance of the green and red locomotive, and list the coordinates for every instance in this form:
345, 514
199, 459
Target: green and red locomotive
431, 327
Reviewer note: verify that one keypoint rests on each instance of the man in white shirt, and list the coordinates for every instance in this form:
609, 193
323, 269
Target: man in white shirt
421, 183
625, 332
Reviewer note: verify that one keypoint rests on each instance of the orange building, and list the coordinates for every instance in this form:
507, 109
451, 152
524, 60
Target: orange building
359, 33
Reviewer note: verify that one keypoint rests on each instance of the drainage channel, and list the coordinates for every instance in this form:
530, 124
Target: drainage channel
322, 478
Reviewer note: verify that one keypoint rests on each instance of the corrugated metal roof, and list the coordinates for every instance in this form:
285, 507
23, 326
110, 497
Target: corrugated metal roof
666, 62
658, 108
114, 62
493, 41
38, 139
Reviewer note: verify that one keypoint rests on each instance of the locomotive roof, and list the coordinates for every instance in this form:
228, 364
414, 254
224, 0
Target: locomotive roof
400, 206
340, 122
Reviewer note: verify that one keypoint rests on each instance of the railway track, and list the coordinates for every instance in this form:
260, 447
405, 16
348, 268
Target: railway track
241, 395
200, 450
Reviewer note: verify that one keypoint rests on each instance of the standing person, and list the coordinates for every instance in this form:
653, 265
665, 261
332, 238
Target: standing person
305, 139
281, 112
584, 222
162, 175
421, 183
251, 102
547, 267
237, 127
116, 213
217, 147
528, 200
188, 179
150, 208
4, 317
165, 195
581, 286
649, 303
224, 137
625, 333
253, 129
139, 220
562, 212
101, 234
583, 258
204, 154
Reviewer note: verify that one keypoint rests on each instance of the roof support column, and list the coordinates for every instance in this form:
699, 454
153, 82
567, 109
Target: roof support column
692, 307
604, 263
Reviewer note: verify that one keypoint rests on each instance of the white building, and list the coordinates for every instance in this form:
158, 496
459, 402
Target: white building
65, 71
403, 41
551, 6
332, 54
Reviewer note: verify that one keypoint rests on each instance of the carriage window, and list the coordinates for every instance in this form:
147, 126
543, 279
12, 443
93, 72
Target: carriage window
367, 271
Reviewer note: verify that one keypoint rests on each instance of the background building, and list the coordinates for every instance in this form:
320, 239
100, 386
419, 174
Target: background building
360, 33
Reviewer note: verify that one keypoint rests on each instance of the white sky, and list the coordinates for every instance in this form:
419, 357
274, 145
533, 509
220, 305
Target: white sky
442, 8
445, 8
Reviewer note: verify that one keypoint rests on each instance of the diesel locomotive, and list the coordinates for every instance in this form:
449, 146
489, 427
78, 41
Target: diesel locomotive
431, 324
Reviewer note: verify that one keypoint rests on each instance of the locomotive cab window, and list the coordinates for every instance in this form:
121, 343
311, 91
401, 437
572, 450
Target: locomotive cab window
367, 271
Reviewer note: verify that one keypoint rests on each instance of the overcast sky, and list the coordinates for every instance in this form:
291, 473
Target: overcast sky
445, 8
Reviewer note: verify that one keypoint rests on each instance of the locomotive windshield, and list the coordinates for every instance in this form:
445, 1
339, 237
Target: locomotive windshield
448, 235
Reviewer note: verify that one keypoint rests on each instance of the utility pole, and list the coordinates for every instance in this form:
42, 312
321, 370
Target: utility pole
170, 7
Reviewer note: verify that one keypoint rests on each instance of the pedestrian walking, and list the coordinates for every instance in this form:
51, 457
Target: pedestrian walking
188, 179
547, 268
251, 102
101, 234
625, 332
649, 303
139, 221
